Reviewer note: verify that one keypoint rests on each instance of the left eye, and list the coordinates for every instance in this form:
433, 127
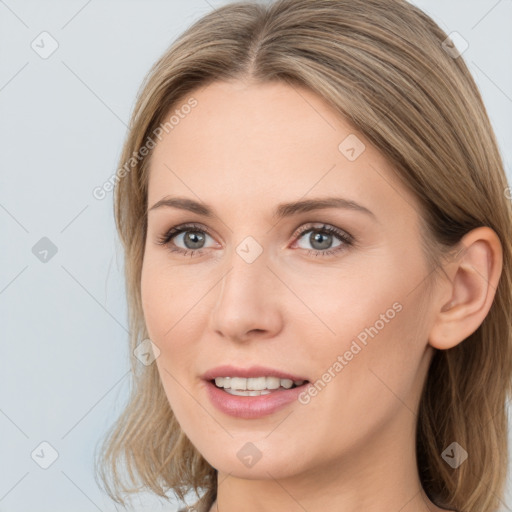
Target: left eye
321, 238
193, 238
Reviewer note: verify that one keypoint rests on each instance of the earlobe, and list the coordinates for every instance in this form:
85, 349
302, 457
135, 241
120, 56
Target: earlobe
474, 277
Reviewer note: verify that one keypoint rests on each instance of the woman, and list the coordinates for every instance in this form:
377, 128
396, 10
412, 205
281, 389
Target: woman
316, 227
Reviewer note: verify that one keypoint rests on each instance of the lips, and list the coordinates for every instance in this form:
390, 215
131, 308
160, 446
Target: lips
252, 407
253, 371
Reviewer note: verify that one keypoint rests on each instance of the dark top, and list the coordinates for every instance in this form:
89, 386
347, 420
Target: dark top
199, 506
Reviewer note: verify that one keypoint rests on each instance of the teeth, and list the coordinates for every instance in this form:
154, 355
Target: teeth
248, 393
255, 383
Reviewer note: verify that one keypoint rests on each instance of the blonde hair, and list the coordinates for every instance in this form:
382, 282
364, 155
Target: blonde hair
381, 65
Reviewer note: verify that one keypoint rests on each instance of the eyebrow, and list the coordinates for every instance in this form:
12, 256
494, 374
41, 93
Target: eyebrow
281, 211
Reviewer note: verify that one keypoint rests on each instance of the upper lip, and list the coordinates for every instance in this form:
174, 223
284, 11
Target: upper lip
253, 371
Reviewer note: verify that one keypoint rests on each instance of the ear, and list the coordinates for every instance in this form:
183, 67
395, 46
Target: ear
470, 291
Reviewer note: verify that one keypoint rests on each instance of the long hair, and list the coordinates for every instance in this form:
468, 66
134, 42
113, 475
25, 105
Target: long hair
389, 70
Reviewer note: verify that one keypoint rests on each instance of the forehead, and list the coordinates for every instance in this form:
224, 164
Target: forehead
235, 122
268, 142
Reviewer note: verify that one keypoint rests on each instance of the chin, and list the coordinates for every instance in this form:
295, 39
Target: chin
252, 461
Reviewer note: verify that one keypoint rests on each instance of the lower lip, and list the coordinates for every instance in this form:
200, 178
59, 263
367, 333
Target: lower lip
250, 407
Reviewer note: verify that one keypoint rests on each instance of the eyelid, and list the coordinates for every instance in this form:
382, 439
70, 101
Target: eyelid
324, 226
180, 228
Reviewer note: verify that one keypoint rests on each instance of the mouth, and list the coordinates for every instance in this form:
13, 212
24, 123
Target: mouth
253, 403
254, 392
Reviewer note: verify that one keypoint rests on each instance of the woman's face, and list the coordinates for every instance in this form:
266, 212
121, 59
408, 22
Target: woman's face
333, 295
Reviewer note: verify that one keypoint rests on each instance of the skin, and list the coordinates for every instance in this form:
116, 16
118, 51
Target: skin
244, 149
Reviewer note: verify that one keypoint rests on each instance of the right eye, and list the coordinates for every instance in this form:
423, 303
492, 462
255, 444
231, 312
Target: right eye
191, 236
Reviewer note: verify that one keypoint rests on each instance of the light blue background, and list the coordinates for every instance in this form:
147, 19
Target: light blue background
64, 357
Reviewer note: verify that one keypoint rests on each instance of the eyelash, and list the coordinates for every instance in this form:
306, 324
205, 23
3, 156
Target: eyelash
344, 237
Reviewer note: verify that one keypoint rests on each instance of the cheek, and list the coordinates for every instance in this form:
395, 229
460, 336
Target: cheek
167, 295
173, 303
165, 312
154, 300
363, 386
338, 304
376, 334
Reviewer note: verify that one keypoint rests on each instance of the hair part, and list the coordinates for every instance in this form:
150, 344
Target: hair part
381, 66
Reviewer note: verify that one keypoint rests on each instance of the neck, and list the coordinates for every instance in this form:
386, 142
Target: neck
378, 476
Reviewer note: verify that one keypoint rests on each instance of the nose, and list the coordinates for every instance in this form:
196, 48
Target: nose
247, 301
